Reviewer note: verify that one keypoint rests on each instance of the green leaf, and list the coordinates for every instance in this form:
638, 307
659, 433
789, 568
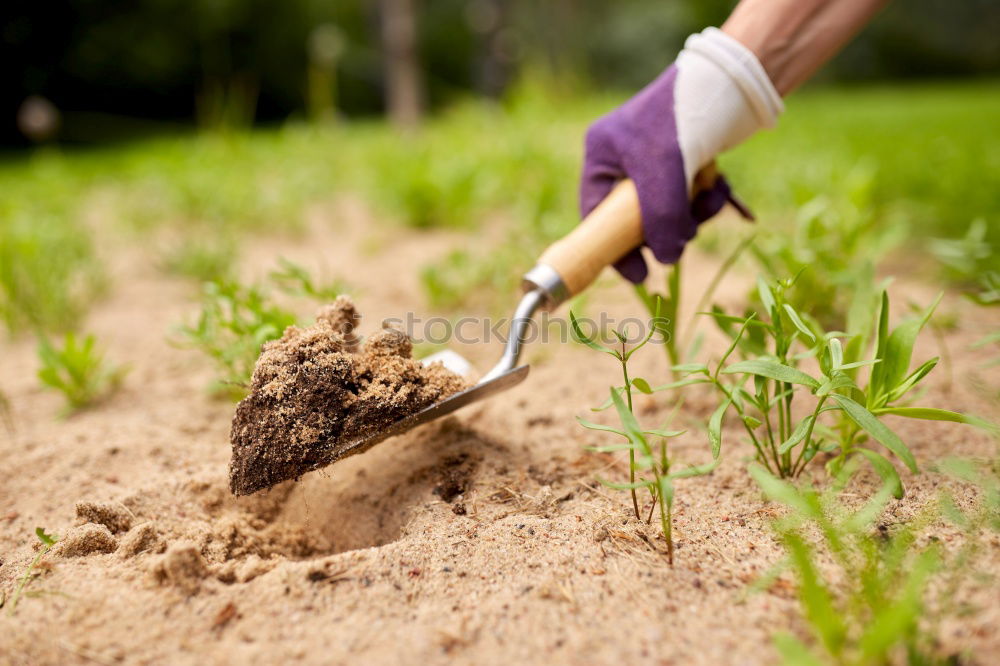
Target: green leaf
794, 652
766, 296
689, 368
881, 432
885, 469
667, 489
824, 618
752, 422
877, 380
797, 435
579, 336
715, 427
772, 370
47, 539
895, 621
642, 385
696, 470
934, 414
781, 491
904, 386
836, 354
682, 382
590, 425
899, 348
797, 321
838, 381
632, 429
665, 433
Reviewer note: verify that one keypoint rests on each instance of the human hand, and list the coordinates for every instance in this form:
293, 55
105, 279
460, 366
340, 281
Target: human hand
666, 138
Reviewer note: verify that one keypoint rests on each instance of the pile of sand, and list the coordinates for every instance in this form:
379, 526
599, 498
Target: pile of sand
318, 389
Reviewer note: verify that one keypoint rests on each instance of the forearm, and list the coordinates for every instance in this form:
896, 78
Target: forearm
794, 38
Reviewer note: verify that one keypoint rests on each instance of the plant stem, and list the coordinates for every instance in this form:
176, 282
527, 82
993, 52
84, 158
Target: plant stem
631, 452
796, 470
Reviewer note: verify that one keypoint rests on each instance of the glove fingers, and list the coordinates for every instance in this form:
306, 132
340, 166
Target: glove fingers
601, 167
632, 267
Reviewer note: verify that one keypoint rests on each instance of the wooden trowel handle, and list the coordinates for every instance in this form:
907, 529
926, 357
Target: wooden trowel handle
611, 230
605, 236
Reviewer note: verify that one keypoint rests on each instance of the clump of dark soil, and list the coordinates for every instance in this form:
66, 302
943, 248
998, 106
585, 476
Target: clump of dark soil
318, 389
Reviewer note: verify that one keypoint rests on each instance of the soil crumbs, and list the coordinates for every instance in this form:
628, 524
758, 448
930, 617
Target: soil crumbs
483, 538
318, 389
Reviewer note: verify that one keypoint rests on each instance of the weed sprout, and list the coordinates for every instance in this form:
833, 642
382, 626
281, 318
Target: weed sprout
650, 463
78, 370
843, 416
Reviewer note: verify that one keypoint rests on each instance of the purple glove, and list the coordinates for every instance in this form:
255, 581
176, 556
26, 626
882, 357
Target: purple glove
638, 140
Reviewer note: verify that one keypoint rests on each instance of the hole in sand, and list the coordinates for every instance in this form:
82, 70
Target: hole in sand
366, 500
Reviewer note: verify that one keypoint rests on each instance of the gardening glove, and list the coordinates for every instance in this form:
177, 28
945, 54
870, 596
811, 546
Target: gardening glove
713, 97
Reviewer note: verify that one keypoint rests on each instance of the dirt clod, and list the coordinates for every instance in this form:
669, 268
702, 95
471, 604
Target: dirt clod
183, 567
112, 515
140, 539
86, 540
317, 389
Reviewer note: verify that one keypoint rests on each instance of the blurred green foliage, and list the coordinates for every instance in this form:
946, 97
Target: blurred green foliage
849, 172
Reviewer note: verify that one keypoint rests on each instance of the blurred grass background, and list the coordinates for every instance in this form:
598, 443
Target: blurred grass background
191, 152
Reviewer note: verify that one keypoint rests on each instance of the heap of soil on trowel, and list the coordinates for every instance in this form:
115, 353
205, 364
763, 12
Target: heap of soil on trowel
317, 389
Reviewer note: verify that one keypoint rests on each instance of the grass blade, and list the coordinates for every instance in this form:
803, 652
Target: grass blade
772, 370
881, 432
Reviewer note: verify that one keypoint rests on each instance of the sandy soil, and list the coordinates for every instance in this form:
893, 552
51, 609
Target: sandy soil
480, 539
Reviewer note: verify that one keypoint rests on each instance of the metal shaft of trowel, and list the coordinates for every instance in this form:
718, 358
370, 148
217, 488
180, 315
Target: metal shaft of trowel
544, 289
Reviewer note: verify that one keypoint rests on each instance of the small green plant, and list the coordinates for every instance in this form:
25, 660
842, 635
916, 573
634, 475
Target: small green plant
48, 272
833, 248
968, 257
48, 540
78, 370
842, 415
874, 606
988, 296
235, 320
651, 465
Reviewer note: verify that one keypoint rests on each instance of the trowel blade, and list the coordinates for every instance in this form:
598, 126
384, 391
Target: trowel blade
478, 392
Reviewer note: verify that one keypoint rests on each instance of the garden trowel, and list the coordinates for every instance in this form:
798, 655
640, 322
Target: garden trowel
564, 270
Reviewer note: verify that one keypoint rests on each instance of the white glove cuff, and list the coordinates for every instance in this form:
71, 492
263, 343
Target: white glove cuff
722, 96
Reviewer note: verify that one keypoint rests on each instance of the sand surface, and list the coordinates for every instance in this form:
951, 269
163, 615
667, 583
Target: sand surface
484, 538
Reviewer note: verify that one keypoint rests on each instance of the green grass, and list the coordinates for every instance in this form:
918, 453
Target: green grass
78, 370
918, 158
844, 412
877, 595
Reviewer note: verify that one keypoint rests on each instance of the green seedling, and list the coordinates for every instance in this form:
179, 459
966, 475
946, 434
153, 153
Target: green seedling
833, 248
874, 605
968, 257
78, 370
651, 465
235, 320
48, 273
48, 540
843, 419
988, 296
